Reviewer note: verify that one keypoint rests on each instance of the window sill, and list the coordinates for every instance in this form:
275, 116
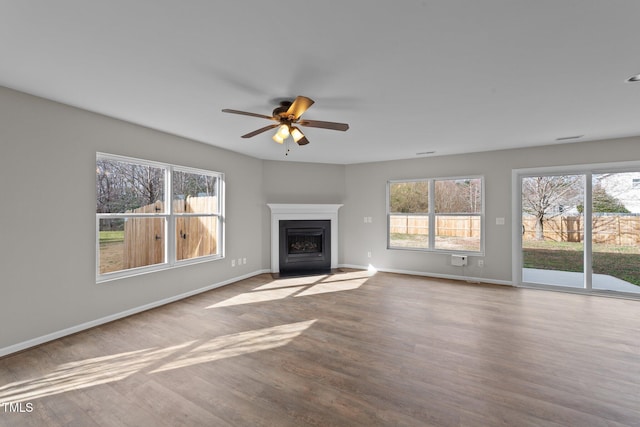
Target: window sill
110, 277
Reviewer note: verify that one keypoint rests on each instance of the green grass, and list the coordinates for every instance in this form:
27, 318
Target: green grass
622, 262
571, 246
111, 236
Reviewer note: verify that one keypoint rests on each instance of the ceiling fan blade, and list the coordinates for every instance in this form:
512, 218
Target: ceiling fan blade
325, 125
299, 106
259, 131
245, 113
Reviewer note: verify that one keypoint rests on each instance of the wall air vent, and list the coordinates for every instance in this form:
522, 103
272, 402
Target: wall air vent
568, 138
633, 79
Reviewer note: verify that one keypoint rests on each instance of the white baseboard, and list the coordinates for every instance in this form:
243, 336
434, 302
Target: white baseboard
435, 275
78, 328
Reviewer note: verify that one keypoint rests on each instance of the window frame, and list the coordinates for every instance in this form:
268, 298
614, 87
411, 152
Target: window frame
169, 216
432, 215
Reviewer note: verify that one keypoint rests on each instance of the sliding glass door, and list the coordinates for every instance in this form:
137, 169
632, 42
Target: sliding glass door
553, 230
581, 230
615, 234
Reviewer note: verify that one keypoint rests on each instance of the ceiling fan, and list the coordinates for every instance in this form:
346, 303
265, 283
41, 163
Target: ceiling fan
287, 114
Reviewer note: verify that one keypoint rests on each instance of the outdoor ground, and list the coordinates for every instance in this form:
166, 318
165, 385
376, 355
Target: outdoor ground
622, 262
402, 240
111, 251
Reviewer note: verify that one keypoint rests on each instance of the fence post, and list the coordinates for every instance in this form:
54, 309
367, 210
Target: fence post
619, 232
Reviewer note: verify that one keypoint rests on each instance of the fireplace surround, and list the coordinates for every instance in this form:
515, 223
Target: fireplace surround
304, 212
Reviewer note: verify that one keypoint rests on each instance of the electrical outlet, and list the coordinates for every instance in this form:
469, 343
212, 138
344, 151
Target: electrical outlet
480, 263
244, 261
233, 263
369, 254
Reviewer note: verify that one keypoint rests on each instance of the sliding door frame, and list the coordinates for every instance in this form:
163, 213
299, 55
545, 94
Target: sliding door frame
587, 171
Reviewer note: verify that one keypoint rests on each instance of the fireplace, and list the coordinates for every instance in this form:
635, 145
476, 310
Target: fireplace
309, 212
305, 246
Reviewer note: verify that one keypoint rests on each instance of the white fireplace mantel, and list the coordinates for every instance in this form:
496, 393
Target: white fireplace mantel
282, 211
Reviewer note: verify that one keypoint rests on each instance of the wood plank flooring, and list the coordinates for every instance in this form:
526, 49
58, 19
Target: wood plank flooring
346, 349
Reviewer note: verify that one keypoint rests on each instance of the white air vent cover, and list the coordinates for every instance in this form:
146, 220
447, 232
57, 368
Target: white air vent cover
458, 260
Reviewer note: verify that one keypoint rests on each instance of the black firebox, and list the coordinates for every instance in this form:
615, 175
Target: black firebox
305, 246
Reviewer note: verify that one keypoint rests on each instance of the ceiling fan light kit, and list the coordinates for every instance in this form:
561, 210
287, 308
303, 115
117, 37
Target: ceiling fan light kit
277, 138
283, 131
287, 114
298, 136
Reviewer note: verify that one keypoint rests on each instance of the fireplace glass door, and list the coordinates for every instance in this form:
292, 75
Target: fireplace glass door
305, 246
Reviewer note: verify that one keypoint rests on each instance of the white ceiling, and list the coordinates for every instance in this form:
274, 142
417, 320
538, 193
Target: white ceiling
449, 76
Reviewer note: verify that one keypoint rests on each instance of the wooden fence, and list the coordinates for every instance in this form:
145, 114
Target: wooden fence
450, 226
195, 236
607, 229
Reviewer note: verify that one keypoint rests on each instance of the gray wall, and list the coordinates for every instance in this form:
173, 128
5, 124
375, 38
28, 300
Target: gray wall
47, 194
366, 194
289, 182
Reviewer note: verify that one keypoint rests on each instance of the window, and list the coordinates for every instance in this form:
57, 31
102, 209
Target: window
436, 214
151, 216
409, 214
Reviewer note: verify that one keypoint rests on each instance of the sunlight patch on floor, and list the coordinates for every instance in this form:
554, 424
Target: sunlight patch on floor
260, 296
342, 277
238, 344
291, 281
323, 288
86, 373
300, 286
116, 367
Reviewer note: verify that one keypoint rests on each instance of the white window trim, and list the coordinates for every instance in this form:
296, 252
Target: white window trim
168, 215
432, 215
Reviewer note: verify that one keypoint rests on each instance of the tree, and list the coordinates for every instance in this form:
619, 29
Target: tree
409, 197
186, 184
123, 186
450, 196
548, 196
604, 202
458, 196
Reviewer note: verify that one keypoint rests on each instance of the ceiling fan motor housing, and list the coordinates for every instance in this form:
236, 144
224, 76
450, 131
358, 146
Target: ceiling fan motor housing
282, 109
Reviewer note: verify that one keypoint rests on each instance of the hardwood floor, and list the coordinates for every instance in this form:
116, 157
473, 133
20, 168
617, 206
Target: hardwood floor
346, 349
